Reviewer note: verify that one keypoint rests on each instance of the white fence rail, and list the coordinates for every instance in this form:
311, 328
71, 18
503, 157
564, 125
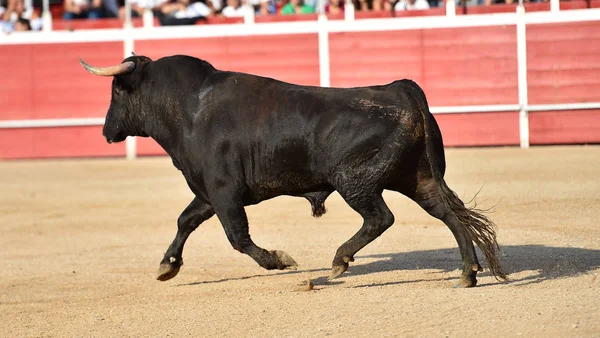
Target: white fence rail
323, 27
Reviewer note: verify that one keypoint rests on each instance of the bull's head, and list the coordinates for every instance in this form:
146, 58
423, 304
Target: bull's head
123, 117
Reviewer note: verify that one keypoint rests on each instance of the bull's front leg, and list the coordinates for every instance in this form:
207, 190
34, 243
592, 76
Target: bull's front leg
195, 213
230, 211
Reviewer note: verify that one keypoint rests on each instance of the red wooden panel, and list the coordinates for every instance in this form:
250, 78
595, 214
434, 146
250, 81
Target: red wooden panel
371, 58
424, 12
479, 129
563, 62
63, 88
496, 8
387, 14
219, 20
292, 58
463, 66
57, 142
503, 8
582, 126
595, 4
147, 146
579, 4
16, 82
92, 24
454, 66
16, 143
285, 18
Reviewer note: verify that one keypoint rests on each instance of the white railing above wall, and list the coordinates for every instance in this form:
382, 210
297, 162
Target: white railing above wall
323, 28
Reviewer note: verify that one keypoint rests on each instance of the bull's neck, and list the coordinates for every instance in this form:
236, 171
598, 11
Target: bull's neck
167, 129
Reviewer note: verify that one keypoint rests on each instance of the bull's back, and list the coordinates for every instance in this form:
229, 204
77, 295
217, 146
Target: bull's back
292, 138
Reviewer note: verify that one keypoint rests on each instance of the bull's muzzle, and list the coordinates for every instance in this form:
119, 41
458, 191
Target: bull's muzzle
113, 135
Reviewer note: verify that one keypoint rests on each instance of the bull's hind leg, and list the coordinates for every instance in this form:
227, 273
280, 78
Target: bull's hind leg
195, 213
232, 216
429, 197
377, 218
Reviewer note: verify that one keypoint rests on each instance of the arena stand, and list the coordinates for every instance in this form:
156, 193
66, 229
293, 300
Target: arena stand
499, 78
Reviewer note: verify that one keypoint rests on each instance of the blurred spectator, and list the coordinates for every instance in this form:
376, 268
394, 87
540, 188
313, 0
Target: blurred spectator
361, 5
334, 7
235, 8
111, 8
408, 5
491, 2
297, 7
17, 18
82, 9
373, 5
184, 12
22, 25
264, 7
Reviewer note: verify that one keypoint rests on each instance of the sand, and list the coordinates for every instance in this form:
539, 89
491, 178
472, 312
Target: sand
82, 241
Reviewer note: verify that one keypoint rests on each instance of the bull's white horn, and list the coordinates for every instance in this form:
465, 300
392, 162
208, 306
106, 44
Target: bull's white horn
123, 68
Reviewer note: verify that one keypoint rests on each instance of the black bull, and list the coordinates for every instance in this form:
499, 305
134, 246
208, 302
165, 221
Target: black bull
240, 139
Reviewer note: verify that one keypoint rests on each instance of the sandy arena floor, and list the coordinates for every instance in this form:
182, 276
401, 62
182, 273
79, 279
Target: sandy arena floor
82, 240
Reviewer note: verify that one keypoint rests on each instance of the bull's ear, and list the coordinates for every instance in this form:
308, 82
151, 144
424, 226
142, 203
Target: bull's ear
132, 81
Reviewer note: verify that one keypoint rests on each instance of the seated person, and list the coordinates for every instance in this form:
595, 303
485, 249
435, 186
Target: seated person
138, 7
185, 12
15, 16
409, 5
297, 7
82, 9
334, 7
235, 8
22, 25
264, 7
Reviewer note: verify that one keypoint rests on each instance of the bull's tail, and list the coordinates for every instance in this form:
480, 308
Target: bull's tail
480, 229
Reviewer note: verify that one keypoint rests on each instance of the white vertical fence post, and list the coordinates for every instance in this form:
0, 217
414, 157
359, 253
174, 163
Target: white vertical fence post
148, 18
324, 75
46, 16
127, 23
128, 45
522, 77
450, 8
554, 6
249, 15
349, 10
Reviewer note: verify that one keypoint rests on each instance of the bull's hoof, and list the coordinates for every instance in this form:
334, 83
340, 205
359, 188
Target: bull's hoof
167, 271
285, 261
337, 270
466, 282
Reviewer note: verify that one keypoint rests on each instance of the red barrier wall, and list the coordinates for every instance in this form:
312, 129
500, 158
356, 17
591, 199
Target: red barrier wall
563, 66
45, 81
564, 127
461, 66
57, 142
458, 66
479, 129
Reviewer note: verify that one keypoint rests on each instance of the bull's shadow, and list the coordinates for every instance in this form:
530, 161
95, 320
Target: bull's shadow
543, 262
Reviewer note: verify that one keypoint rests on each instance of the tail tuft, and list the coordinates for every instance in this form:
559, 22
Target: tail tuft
480, 228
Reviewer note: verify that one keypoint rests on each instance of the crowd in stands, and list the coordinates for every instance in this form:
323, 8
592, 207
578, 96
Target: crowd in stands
16, 17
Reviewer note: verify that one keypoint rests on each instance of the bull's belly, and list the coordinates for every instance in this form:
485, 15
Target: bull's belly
288, 183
